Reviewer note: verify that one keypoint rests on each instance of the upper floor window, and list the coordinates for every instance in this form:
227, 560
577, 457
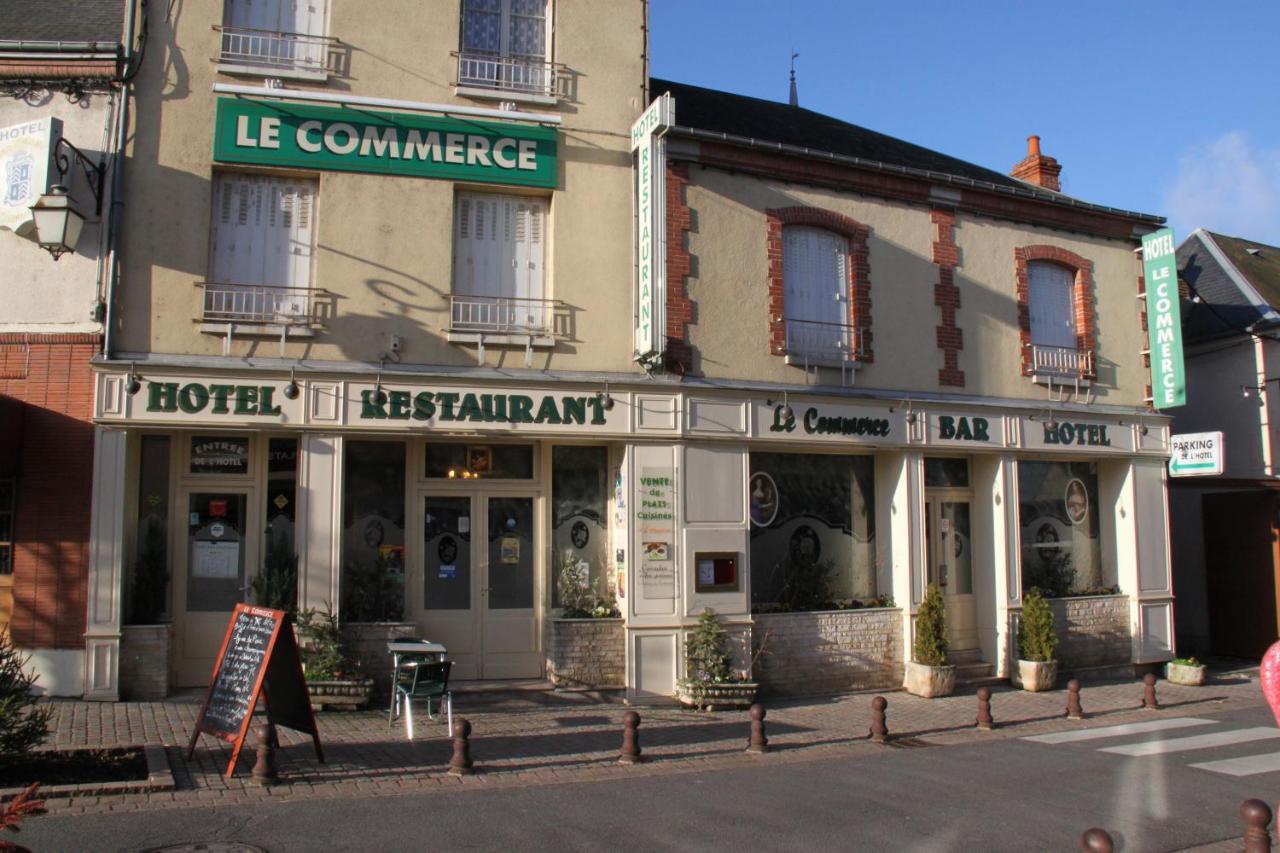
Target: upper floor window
1053, 314
1055, 291
275, 37
504, 47
815, 276
261, 248
499, 247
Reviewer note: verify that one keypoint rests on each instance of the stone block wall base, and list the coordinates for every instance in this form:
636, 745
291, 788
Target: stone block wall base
145, 656
588, 653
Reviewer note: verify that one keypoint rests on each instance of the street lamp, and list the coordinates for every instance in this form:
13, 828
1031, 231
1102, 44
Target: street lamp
58, 222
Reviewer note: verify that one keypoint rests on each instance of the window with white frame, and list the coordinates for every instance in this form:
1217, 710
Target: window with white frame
261, 248
815, 281
275, 35
1051, 304
504, 46
499, 247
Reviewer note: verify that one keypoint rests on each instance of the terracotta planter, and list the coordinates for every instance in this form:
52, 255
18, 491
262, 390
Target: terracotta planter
1182, 673
1036, 676
930, 681
717, 697
347, 695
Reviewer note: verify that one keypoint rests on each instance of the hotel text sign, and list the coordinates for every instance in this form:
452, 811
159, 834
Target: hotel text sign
332, 139
651, 241
1164, 320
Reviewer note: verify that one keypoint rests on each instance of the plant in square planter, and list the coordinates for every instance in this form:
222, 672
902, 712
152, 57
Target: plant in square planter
1186, 671
146, 638
709, 683
1037, 642
928, 674
332, 679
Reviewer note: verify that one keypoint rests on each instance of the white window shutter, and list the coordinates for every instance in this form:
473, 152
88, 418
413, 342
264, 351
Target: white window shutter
1051, 304
263, 231
498, 246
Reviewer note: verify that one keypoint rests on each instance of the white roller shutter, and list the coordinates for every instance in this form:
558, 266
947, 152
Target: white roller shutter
1051, 303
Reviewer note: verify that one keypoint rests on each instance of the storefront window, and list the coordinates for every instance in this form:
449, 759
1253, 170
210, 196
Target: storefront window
579, 518
373, 532
275, 585
149, 578
1058, 517
480, 461
812, 531
942, 472
220, 454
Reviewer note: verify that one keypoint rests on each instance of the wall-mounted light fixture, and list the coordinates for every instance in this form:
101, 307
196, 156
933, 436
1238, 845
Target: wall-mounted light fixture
291, 390
605, 399
58, 222
134, 383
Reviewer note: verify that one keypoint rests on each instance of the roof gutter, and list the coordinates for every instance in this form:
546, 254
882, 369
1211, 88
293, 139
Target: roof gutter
936, 177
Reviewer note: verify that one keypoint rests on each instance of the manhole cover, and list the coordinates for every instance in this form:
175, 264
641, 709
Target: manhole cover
209, 847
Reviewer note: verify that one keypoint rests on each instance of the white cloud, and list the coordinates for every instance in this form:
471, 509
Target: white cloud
1229, 186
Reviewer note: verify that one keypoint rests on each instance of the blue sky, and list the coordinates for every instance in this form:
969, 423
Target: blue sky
1170, 108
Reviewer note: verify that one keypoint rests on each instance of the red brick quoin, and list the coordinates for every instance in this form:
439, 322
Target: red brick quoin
679, 354
946, 295
1082, 295
859, 271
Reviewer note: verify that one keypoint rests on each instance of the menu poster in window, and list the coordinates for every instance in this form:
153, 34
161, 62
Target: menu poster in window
259, 656
212, 559
655, 519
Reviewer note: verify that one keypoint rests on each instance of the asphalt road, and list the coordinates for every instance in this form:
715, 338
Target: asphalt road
1010, 794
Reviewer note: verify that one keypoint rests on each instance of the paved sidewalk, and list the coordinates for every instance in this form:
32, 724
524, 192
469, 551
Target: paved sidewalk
568, 737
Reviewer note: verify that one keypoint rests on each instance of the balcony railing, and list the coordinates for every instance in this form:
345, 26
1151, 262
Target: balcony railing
246, 304
507, 74
275, 51
502, 315
817, 343
1061, 361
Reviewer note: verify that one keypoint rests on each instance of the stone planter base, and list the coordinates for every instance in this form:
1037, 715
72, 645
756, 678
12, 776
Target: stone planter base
930, 681
343, 695
145, 653
1181, 673
587, 653
717, 697
1036, 676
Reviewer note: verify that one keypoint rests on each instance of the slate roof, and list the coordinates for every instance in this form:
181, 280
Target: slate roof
62, 20
1227, 309
776, 122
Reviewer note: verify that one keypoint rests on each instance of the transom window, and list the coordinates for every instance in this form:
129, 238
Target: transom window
498, 260
815, 275
504, 46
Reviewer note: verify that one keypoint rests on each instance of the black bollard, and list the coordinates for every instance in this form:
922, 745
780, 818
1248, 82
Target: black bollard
630, 739
460, 764
879, 728
1074, 711
1257, 821
1096, 841
758, 742
1149, 692
985, 720
265, 742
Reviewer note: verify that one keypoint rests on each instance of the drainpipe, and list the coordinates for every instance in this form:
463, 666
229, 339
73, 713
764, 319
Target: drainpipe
127, 70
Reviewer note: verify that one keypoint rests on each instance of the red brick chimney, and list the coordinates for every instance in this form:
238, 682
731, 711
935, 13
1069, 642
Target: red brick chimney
1038, 169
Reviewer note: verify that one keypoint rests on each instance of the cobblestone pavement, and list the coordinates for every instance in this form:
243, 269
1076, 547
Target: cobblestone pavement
554, 737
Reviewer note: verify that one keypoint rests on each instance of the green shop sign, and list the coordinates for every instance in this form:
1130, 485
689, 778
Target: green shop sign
447, 406
953, 428
195, 397
784, 420
1164, 319
341, 140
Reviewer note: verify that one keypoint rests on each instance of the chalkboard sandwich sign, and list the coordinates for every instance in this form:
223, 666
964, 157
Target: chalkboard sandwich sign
259, 656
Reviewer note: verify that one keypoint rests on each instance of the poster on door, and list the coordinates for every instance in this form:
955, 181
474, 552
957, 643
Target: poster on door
215, 559
656, 523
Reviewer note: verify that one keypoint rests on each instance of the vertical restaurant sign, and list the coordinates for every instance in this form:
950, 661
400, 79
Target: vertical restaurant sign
1164, 319
343, 140
26, 162
651, 232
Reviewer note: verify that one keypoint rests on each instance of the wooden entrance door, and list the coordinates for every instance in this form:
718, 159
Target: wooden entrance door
951, 567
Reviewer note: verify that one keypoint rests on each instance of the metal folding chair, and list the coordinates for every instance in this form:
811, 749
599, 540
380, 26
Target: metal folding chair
417, 680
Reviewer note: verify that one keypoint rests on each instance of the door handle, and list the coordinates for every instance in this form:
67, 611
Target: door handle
942, 576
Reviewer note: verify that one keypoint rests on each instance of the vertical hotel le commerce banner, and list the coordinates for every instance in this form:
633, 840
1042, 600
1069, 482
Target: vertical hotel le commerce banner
1164, 319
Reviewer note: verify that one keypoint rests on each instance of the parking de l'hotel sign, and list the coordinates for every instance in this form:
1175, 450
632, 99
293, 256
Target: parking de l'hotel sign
332, 139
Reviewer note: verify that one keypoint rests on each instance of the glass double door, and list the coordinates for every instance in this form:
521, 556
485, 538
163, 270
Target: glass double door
478, 593
947, 529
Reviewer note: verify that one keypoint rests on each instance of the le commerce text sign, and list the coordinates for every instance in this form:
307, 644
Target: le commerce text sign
1164, 320
1196, 454
342, 140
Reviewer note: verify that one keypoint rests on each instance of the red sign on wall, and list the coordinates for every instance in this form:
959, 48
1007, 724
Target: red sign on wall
218, 509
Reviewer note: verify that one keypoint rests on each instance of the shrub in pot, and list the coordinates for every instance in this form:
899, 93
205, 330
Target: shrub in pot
928, 674
332, 678
709, 682
1186, 671
1037, 642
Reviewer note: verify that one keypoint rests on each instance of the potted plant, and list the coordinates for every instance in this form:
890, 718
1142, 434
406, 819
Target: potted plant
709, 681
1186, 671
332, 678
146, 638
1037, 641
928, 674
276, 586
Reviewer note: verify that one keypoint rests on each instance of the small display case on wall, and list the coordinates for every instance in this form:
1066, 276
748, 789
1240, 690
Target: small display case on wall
716, 571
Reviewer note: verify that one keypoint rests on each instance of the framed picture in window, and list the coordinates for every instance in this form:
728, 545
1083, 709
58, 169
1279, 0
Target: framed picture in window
479, 460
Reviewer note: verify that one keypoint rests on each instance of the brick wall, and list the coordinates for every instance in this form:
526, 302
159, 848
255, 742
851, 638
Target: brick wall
679, 354
587, 653
53, 461
829, 651
946, 295
1092, 631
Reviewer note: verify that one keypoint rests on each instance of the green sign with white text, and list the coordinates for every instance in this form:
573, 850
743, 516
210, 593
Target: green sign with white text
1164, 319
343, 140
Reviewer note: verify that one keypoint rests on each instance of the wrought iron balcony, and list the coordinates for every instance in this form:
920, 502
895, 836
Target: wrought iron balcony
1061, 361
811, 342
507, 74
502, 315
263, 305
273, 51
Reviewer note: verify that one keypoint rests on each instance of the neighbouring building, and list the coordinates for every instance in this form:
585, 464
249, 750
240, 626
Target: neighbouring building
62, 103
469, 326
1224, 527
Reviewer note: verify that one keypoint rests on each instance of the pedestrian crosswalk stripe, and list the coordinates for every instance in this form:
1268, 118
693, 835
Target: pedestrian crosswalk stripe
1249, 765
1118, 731
1158, 747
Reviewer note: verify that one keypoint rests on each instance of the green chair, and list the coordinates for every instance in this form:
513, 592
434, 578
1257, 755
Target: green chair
417, 680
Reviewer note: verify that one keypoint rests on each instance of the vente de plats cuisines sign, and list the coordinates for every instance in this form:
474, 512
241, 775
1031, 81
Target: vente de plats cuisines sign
1164, 319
